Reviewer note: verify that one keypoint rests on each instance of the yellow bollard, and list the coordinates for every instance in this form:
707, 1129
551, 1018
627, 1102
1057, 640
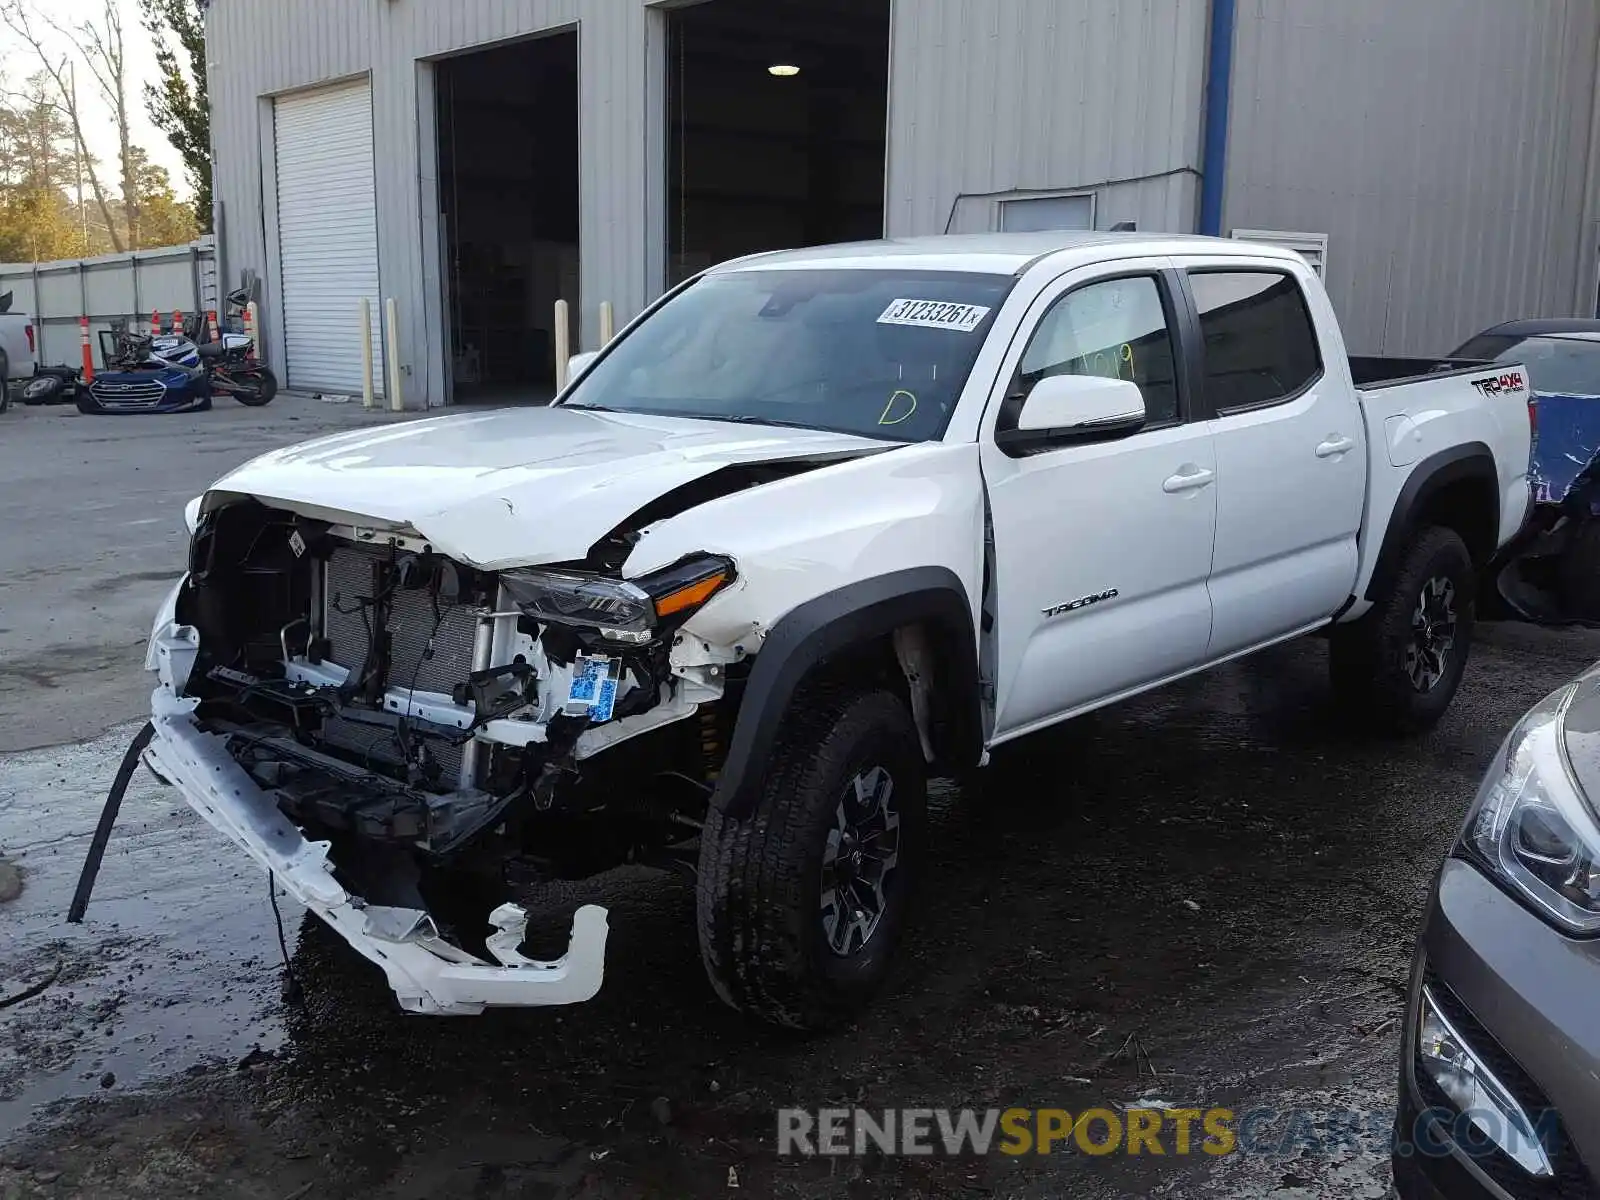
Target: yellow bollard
397, 402
368, 391
563, 344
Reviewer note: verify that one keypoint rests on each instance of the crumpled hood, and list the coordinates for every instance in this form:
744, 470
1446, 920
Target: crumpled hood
515, 486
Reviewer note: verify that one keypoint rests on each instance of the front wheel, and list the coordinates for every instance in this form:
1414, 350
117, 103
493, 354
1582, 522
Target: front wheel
802, 902
254, 386
1397, 668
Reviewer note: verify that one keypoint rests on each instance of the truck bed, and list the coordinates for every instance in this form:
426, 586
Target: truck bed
1416, 408
1379, 371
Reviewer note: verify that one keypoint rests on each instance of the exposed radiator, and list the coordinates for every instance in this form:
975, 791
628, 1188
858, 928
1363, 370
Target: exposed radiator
374, 745
412, 622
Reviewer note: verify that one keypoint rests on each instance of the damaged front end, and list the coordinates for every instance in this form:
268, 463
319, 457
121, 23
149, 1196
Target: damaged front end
413, 746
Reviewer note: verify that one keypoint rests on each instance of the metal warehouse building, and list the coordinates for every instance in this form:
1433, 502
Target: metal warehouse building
476, 160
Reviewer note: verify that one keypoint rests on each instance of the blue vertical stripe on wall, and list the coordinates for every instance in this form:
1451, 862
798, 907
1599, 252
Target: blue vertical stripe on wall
1219, 85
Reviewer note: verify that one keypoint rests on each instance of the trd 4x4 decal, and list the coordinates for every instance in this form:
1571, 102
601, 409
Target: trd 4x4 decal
1512, 381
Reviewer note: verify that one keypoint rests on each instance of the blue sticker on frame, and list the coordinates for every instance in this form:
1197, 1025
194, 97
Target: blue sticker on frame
594, 688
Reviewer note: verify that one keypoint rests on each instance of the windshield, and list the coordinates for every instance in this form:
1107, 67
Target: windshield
882, 354
1556, 365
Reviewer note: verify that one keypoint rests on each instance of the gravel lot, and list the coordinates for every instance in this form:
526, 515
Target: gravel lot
1203, 897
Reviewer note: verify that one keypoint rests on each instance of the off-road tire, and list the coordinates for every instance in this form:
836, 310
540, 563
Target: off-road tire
760, 880
1367, 658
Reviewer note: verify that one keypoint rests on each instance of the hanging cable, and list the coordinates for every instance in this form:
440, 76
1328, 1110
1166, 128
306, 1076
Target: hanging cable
291, 985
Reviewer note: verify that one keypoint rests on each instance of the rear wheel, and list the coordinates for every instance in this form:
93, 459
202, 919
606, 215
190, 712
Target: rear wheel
802, 902
255, 386
1397, 668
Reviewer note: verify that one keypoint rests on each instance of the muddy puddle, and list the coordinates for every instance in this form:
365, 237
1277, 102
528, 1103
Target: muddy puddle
164, 975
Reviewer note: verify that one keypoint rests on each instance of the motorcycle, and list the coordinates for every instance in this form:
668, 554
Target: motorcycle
227, 366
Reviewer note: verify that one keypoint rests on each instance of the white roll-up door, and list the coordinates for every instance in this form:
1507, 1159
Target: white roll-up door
327, 234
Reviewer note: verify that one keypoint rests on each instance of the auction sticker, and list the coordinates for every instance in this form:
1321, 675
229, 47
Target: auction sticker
594, 688
934, 314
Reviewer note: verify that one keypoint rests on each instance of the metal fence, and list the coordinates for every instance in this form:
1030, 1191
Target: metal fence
113, 287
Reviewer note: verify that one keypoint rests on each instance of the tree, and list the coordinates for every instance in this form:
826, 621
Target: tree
18, 18
37, 166
102, 49
164, 220
177, 103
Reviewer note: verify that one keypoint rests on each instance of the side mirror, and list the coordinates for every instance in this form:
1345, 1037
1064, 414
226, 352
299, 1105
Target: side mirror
1076, 408
578, 364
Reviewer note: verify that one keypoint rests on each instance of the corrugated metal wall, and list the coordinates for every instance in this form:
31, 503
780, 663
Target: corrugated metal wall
1442, 144
115, 287
1005, 96
258, 48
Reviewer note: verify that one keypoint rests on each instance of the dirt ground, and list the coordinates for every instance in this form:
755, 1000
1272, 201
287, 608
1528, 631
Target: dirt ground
1205, 897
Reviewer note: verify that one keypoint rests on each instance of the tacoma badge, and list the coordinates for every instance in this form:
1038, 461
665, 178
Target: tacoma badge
1074, 605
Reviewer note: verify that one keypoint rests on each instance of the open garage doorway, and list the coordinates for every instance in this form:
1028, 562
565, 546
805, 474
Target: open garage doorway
777, 114
508, 200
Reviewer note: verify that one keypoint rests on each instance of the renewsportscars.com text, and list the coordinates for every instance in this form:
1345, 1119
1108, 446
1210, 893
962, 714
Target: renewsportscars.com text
1154, 1131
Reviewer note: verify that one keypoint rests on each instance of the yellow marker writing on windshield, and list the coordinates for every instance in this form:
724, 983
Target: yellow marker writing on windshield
902, 397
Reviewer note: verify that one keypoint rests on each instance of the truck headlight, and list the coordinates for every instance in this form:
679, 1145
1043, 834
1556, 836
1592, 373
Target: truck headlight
622, 610
1531, 827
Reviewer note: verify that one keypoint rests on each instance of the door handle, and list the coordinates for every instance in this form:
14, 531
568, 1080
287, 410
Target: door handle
1187, 481
1335, 446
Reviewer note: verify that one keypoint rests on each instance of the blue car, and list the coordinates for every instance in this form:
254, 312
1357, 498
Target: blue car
147, 390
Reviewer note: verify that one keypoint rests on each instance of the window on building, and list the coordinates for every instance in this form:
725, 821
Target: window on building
1261, 347
1038, 214
1116, 329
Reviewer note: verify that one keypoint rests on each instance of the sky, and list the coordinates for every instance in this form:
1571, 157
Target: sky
18, 61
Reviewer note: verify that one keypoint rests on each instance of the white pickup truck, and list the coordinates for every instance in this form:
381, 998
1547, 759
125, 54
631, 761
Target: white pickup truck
18, 353
817, 525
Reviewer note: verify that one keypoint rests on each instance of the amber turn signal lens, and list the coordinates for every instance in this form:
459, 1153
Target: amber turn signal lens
690, 597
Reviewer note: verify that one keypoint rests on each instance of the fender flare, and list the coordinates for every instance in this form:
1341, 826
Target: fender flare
1468, 461
830, 623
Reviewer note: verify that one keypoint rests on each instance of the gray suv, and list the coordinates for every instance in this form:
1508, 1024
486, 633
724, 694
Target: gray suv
1500, 1065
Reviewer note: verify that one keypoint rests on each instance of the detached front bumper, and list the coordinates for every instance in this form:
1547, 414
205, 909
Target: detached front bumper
427, 973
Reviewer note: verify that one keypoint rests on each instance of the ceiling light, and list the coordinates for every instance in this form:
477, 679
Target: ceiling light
783, 70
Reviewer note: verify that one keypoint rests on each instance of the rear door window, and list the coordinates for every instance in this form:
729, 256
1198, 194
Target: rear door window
1260, 344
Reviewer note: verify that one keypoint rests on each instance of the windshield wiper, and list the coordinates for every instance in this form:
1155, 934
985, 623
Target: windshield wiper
750, 419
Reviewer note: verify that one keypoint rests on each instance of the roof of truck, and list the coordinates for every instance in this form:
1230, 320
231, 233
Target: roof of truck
991, 253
